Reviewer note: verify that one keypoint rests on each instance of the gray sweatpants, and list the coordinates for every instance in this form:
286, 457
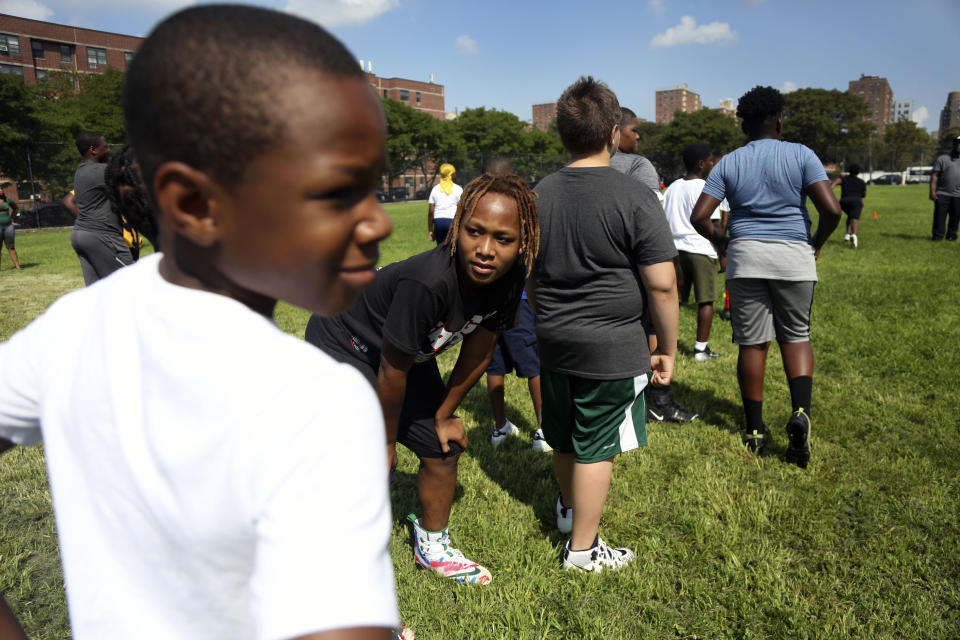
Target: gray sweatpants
100, 254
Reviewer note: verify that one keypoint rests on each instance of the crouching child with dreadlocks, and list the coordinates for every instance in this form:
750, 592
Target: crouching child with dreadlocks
466, 289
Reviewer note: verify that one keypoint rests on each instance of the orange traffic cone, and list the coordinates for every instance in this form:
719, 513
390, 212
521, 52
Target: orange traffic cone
874, 214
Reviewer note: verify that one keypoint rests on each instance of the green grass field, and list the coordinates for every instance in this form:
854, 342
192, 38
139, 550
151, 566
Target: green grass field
864, 543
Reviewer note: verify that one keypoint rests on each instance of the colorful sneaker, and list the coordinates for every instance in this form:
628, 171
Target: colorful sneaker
564, 517
539, 442
798, 430
432, 550
704, 355
402, 633
500, 434
756, 439
597, 558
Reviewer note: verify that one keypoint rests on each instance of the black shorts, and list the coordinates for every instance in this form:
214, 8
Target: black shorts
417, 427
852, 207
516, 349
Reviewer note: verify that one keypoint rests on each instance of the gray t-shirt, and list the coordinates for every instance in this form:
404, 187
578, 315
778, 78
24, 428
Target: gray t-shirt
93, 205
596, 226
948, 181
638, 168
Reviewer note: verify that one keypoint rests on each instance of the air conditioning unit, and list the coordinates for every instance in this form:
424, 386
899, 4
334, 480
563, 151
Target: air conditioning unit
4, 48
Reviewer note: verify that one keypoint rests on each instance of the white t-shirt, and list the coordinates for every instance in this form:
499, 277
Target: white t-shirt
212, 477
678, 202
445, 204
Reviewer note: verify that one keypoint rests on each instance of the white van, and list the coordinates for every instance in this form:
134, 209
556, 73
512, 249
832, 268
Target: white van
916, 175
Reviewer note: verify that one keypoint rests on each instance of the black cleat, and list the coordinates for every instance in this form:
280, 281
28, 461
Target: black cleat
756, 439
798, 430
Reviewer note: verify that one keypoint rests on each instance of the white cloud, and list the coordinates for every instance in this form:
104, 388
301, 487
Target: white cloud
688, 32
26, 9
657, 6
789, 87
920, 115
467, 44
333, 13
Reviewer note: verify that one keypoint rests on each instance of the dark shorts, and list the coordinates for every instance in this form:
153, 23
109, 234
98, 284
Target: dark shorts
762, 310
441, 226
7, 235
516, 348
417, 427
852, 207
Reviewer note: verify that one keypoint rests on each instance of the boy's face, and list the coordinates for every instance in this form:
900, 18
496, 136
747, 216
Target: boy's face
629, 136
101, 152
304, 224
706, 166
489, 240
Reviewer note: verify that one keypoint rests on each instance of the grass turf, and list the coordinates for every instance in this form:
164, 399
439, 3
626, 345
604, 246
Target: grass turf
865, 543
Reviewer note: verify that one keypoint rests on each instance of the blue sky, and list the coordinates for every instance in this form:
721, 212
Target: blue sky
511, 54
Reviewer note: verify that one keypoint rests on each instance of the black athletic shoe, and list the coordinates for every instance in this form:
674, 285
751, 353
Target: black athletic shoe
704, 355
756, 439
670, 412
798, 430
725, 314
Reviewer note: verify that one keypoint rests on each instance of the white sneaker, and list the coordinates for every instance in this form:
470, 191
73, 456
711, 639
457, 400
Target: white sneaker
846, 237
597, 558
539, 442
853, 239
564, 517
499, 435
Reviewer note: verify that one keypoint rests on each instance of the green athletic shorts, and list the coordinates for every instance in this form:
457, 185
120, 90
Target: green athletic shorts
593, 419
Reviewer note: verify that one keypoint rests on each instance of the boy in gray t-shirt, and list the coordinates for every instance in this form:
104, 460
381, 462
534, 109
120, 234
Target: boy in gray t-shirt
602, 234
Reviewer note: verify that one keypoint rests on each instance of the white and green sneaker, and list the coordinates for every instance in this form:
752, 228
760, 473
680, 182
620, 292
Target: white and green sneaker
432, 550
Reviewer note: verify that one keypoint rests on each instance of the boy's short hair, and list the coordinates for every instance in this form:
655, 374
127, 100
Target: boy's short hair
87, 139
498, 166
854, 169
694, 153
586, 113
201, 87
626, 115
758, 104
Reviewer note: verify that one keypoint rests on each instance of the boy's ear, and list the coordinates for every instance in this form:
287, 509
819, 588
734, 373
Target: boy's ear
183, 197
614, 139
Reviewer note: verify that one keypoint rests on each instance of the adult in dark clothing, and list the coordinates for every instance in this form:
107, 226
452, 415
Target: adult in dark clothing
97, 236
852, 192
945, 193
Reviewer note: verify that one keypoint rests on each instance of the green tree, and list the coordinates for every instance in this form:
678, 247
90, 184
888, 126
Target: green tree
905, 144
945, 142
18, 126
710, 126
401, 151
828, 121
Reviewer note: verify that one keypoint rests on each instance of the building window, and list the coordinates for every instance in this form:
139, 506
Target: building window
65, 54
418, 97
9, 44
37, 46
96, 56
41, 74
12, 69
384, 93
127, 58
69, 77
404, 95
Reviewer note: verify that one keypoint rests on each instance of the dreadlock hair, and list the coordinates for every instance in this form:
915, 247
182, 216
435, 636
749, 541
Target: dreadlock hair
128, 195
757, 106
203, 86
511, 186
87, 139
586, 114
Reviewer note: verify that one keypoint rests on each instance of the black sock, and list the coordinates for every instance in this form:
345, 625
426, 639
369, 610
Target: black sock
754, 412
801, 390
660, 396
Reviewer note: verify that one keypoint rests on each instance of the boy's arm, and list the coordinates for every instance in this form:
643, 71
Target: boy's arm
933, 185
475, 354
660, 281
70, 202
430, 209
391, 389
829, 208
700, 219
10, 628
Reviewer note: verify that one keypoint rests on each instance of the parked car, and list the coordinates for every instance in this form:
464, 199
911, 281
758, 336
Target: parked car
421, 195
887, 178
399, 193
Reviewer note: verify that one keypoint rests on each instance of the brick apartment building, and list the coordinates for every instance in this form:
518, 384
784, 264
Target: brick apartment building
422, 96
673, 99
32, 49
543, 115
876, 92
950, 114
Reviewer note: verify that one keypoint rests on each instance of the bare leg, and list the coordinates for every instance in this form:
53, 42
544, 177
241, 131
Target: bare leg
855, 226
533, 384
13, 256
797, 359
495, 391
704, 321
751, 366
590, 485
437, 483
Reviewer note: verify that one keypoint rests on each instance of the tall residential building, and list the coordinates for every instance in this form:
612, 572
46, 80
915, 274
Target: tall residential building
673, 99
32, 49
422, 96
902, 110
543, 115
876, 92
728, 108
950, 114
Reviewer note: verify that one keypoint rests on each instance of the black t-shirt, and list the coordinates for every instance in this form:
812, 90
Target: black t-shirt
596, 226
852, 187
416, 304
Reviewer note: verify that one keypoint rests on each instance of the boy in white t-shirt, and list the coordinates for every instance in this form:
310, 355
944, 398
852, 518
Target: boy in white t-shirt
697, 262
211, 476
